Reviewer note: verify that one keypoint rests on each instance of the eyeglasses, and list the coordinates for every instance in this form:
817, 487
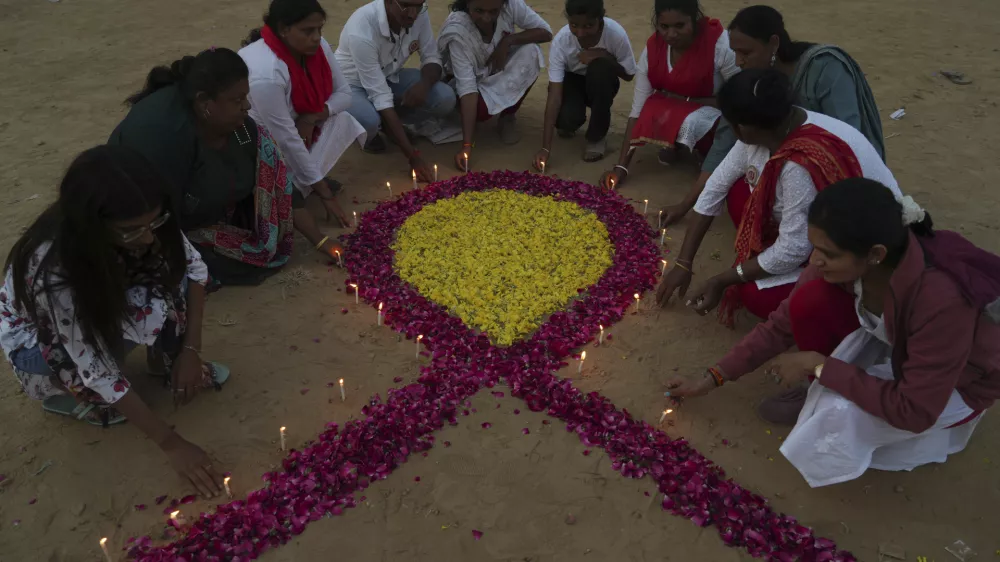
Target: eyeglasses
134, 234
410, 8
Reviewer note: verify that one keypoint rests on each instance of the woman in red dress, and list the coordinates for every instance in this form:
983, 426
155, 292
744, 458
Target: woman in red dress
684, 64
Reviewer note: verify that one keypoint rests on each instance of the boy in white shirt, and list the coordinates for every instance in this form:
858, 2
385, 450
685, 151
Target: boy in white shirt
375, 43
587, 61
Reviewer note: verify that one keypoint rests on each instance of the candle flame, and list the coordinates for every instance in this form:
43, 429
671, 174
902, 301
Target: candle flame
646, 201
583, 356
601, 327
420, 338
637, 296
380, 306
667, 411
282, 429
174, 514
414, 172
104, 541
353, 285
341, 381
664, 262
225, 480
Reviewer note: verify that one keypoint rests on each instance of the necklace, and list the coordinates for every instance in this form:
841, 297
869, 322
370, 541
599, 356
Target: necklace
245, 132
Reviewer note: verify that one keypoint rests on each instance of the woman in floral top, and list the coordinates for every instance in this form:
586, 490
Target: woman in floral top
103, 269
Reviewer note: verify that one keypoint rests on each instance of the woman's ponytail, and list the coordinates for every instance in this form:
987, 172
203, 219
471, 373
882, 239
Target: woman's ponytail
161, 77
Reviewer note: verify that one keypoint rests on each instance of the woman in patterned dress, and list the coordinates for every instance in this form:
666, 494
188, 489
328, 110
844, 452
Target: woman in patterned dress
104, 269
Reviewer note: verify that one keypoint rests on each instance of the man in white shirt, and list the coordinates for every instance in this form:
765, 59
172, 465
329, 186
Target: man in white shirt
375, 43
588, 60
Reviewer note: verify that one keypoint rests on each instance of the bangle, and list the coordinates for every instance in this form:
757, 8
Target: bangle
682, 260
716, 376
547, 151
469, 144
321, 242
682, 266
194, 349
739, 273
622, 168
415, 153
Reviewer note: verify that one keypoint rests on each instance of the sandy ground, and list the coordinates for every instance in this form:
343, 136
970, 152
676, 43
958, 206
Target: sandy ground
67, 66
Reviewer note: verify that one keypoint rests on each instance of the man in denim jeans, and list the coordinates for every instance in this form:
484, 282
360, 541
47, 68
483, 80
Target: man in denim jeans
374, 45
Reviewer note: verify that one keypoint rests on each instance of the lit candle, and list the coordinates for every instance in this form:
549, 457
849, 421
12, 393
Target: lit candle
177, 520
645, 206
104, 547
414, 172
355, 287
435, 172
583, 357
417, 354
637, 302
379, 321
389, 187
343, 396
612, 183
229, 491
543, 167
664, 268
465, 155
663, 237
664, 416
340, 260
659, 219
355, 218
600, 338
282, 431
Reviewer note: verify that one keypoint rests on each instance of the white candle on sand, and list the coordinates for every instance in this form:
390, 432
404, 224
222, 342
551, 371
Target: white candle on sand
665, 413
659, 219
612, 183
379, 321
637, 302
389, 187
177, 519
417, 354
414, 172
664, 268
229, 491
340, 260
282, 433
104, 548
355, 287
583, 357
663, 237
343, 396
600, 338
355, 218
645, 206
435, 172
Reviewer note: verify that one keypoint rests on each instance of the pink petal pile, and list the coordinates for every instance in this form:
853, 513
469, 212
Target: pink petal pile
322, 479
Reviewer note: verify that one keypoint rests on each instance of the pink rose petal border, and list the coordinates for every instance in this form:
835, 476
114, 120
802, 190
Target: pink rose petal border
321, 480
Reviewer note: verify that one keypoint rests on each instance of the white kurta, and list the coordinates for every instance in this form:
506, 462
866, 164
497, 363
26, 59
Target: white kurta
794, 194
464, 55
835, 440
271, 106
699, 122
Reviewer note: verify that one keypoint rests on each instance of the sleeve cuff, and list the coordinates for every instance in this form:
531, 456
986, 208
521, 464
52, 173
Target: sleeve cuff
382, 102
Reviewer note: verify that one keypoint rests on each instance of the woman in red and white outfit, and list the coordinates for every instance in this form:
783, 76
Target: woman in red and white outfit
298, 92
785, 155
685, 62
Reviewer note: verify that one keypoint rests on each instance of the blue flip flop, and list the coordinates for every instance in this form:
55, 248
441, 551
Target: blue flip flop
220, 373
66, 405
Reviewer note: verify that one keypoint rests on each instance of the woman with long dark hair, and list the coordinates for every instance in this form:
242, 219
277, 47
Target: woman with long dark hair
784, 157
825, 80
920, 362
106, 268
235, 196
299, 94
685, 62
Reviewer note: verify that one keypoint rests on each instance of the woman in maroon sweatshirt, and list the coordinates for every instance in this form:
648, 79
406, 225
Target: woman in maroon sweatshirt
903, 374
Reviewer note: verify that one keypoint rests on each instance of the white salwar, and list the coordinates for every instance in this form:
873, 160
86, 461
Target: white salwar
835, 440
271, 106
700, 121
464, 55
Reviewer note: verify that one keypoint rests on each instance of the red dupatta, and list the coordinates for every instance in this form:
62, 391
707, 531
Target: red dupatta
826, 157
312, 83
692, 77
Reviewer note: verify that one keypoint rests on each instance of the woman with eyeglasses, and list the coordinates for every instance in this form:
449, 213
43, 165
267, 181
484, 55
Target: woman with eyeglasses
235, 196
493, 64
374, 46
104, 269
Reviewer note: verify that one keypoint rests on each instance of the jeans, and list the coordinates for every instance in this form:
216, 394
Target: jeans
440, 102
596, 90
30, 360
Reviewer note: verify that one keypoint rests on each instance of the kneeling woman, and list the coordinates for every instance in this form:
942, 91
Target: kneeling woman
920, 360
685, 62
784, 156
104, 269
233, 192
493, 64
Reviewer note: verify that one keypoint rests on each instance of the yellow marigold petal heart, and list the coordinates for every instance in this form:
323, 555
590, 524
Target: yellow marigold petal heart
501, 260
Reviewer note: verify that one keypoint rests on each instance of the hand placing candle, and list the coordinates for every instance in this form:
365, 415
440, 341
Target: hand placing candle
543, 166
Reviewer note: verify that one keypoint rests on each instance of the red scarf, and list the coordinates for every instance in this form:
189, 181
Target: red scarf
693, 76
312, 84
826, 157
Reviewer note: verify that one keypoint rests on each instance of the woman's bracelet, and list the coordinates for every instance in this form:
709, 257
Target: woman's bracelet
547, 151
321, 242
622, 168
682, 266
717, 376
740, 274
194, 349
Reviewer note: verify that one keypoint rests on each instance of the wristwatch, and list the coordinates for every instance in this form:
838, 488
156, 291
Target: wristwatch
818, 371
